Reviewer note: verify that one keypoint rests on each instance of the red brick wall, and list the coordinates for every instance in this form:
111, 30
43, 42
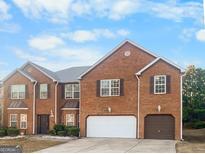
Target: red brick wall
118, 66
170, 103
19, 79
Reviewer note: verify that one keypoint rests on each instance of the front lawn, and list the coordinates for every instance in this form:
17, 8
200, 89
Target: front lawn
30, 144
194, 141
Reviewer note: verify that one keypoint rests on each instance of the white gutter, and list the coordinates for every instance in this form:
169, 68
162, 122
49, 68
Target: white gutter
181, 99
138, 106
56, 100
34, 106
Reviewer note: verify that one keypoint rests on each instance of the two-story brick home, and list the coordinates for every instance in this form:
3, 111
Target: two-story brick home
35, 98
129, 93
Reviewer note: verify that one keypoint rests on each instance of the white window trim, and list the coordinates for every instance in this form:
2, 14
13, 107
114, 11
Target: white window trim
165, 88
43, 91
12, 121
24, 121
66, 119
72, 91
109, 88
18, 92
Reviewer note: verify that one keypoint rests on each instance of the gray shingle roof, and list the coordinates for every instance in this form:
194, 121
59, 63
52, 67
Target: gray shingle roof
17, 105
71, 74
71, 105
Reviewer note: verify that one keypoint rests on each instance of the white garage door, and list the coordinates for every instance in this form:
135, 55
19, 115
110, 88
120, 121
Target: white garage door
111, 126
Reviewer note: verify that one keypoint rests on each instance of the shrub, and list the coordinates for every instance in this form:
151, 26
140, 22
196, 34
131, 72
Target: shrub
13, 131
59, 127
72, 131
52, 132
2, 132
198, 125
61, 133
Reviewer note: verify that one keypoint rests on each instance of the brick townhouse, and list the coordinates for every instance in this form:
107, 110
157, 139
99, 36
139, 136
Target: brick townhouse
129, 93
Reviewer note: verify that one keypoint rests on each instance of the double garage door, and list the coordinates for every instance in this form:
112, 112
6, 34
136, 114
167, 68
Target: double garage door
155, 126
112, 126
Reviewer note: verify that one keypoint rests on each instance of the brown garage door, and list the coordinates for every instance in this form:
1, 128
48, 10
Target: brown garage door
159, 127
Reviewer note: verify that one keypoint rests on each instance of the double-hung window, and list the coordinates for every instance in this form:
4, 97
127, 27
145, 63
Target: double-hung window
18, 91
13, 120
110, 87
160, 84
23, 121
43, 91
70, 119
72, 91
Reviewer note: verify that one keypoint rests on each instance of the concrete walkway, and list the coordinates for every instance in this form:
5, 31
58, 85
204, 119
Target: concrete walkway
105, 145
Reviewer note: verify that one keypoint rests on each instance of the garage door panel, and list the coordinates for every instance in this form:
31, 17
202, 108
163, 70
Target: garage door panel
159, 127
111, 126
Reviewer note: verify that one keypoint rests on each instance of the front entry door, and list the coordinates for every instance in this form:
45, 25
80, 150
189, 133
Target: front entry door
42, 124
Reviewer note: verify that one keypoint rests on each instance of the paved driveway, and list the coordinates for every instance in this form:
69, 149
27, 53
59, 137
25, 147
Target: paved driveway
104, 145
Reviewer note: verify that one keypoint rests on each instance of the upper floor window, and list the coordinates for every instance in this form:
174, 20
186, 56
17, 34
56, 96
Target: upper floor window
110, 87
18, 91
13, 120
72, 91
160, 84
23, 121
43, 91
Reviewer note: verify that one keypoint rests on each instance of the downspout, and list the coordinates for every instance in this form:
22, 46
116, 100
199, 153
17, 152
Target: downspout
56, 100
34, 106
138, 106
181, 97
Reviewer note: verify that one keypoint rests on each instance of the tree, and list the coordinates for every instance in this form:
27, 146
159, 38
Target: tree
193, 93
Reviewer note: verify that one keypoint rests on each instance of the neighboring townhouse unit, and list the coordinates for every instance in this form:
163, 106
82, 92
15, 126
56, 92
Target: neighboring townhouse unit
129, 93
36, 98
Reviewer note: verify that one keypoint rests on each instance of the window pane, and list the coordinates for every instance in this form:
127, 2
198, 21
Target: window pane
115, 83
105, 83
76, 94
68, 87
69, 119
76, 87
105, 91
115, 92
68, 95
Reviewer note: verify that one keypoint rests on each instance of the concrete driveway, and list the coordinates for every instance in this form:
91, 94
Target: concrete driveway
104, 145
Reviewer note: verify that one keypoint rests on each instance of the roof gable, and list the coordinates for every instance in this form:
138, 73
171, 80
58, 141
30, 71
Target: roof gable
154, 62
22, 73
43, 70
120, 45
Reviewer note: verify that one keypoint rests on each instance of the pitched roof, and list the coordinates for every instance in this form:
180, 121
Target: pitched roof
71, 105
120, 45
44, 70
17, 105
71, 74
152, 63
21, 72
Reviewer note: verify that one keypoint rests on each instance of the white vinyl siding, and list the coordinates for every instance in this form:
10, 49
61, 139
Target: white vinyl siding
70, 119
110, 87
72, 91
18, 91
13, 120
160, 84
43, 91
23, 121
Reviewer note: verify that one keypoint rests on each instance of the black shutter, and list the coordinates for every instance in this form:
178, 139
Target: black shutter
151, 84
9, 92
37, 90
168, 84
63, 91
26, 92
48, 91
98, 88
121, 87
